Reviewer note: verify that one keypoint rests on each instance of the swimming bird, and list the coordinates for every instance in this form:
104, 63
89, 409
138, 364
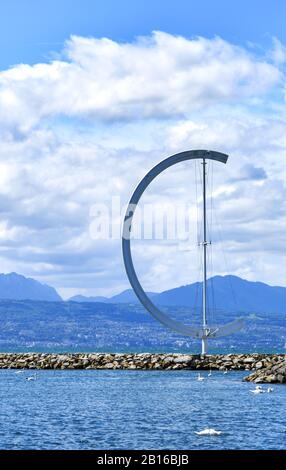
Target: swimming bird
200, 378
270, 389
258, 389
32, 377
210, 373
208, 432
225, 371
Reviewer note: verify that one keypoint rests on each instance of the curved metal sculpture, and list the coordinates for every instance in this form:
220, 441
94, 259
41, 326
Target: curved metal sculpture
205, 332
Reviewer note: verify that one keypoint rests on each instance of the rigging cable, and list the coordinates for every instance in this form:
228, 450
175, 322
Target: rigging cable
211, 246
197, 235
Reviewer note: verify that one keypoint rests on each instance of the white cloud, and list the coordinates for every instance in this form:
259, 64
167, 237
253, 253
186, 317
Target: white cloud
162, 75
52, 172
278, 52
46, 202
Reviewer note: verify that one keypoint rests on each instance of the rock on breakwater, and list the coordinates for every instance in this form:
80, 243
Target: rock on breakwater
273, 373
140, 361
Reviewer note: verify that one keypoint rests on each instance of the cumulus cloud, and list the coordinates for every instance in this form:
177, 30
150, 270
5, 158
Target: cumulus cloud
278, 52
250, 172
46, 200
48, 187
245, 136
53, 170
162, 75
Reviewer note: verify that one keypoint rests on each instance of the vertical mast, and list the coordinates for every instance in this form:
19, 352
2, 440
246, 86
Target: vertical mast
205, 243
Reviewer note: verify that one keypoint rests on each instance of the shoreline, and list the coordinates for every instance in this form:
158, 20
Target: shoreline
263, 368
169, 361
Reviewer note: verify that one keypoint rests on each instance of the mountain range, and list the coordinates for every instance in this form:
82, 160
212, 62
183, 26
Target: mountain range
225, 292
17, 287
125, 297
34, 318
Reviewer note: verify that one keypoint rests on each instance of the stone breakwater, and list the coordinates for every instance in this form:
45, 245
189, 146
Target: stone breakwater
273, 373
257, 363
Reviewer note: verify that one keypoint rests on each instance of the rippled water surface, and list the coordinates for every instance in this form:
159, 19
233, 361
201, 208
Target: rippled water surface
137, 410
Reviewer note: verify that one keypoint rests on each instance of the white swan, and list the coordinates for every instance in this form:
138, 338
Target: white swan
270, 389
208, 432
258, 389
32, 377
210, 373
200, 378
225, 371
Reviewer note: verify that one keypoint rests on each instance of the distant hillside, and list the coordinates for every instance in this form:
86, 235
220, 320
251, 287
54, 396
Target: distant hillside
125, 297
17, 287
124, 325
224, 292
230, 293
28, 325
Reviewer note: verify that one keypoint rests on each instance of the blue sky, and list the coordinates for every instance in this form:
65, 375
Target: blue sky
94, 93
31, 30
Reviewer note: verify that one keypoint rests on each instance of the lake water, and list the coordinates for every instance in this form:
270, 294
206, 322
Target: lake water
137, 410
